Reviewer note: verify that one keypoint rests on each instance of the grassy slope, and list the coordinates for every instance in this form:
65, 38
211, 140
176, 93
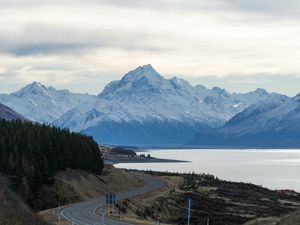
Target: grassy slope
225, 203
13, 211
69, 186
77, 185
290, 219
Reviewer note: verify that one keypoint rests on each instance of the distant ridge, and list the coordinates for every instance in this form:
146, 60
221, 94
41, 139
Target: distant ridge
7, 113
43, 104
268, 124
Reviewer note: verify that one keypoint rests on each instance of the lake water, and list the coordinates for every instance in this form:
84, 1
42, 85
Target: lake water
275, 169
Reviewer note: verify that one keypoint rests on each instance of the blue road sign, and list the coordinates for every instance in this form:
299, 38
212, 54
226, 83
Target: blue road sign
110, 199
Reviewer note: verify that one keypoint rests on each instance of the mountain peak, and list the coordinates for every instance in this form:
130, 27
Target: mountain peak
33, 88
36, 85
261, 91
145, 71
143, 77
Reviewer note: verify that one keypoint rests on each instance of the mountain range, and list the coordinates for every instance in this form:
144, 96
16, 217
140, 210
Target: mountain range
41, 104
144, 108
268, 124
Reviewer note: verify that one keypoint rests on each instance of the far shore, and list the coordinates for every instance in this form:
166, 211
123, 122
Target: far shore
118, 160
119, 154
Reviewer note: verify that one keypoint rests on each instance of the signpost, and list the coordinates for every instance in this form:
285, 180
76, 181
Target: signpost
111, 201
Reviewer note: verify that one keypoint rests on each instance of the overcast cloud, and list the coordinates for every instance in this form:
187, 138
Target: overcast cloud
81, 45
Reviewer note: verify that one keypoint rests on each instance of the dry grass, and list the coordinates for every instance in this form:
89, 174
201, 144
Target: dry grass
82, 185
147, 200
12, 210
52, 216
75, 185
290, 219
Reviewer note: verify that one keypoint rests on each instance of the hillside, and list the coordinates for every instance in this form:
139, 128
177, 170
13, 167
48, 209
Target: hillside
290, 219
7, 113
71, 186
13, 210
223, 202
265, 124
32, 154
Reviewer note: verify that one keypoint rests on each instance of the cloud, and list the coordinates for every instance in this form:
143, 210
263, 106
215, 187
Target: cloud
267, 7
98, 40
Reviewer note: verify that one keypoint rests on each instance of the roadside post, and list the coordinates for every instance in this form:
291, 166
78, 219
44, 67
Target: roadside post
189, 210
102, 212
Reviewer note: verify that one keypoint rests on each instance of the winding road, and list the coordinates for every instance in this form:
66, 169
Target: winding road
84, 213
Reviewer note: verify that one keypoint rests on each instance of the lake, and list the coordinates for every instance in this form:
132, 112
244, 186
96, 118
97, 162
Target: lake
275, 169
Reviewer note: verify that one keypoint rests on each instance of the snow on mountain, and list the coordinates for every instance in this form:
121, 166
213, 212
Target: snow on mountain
145, 108
271, 123
41, 104
7, 113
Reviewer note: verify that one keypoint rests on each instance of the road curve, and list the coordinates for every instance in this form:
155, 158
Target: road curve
83, 213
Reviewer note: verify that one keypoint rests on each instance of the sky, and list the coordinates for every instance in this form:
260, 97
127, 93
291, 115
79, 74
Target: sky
81, 45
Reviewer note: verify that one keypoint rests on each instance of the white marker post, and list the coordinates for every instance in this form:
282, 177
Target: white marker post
102, 211
189, 210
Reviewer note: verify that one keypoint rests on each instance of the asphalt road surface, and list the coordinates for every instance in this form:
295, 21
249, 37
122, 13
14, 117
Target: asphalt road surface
84, 213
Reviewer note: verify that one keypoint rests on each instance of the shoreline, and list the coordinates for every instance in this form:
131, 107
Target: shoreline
114, 161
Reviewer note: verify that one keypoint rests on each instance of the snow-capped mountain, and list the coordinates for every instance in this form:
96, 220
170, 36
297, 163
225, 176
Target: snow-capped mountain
266, 124
144, 108
7, 113
41, 104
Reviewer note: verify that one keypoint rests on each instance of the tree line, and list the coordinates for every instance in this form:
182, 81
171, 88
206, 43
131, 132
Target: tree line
31, 154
